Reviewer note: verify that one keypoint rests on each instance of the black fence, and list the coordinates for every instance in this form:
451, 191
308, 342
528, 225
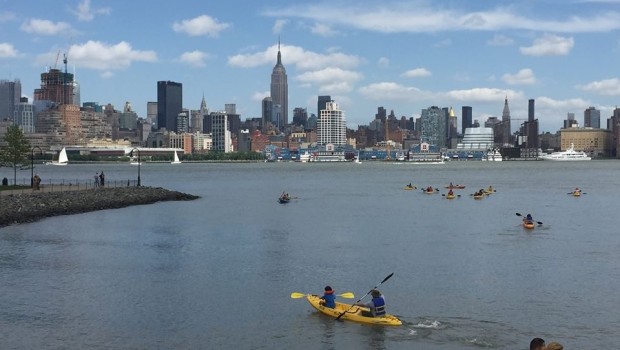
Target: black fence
59, 185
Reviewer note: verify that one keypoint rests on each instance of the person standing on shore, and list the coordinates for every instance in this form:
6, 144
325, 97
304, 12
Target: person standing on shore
37, 182
96, 179
102, 179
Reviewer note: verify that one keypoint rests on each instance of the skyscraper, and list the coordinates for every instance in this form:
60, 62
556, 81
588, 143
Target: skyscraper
506, 137
466, 121
267, 110
322, 102
592, 118
279, 91
331, 126
433, 126
169, 104
10, 93
530, 110
56, 86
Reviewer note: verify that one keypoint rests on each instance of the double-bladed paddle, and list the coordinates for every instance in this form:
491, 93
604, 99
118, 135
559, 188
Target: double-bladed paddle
538, 222
347, 295
360, 299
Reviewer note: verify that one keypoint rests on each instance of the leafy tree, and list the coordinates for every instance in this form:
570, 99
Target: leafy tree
15, 151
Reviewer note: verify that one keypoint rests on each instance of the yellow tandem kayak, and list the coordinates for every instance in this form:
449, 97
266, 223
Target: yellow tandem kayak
354, 314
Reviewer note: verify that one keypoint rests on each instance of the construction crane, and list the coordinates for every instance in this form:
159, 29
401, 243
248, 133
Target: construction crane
57, 56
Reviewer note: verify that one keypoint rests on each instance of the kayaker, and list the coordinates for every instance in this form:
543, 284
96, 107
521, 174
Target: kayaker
410, 186
329, 299
429, 189
528, 218
577, 190
537, 344
450, 193
376, 305
451, 185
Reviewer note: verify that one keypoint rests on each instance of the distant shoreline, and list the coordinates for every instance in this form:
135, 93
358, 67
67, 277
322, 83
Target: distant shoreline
31, 207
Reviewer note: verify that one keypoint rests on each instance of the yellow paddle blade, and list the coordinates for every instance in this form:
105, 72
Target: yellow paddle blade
347, 295
297, 295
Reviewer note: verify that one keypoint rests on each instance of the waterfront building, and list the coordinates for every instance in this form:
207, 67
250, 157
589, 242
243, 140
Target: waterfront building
505, 128
279, 92
202, 142
10, 94
220, 132
595, 142
592, 118
331, 126
433, 126
169, 104
181, 141
466, 118
24, 115
480, 138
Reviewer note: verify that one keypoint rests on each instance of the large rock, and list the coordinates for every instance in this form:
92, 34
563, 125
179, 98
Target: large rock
20, 208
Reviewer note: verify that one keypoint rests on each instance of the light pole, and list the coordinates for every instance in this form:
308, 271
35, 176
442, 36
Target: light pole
139, 163
32, 164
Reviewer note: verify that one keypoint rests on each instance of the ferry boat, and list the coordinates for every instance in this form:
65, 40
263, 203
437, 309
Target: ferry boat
493, 155
569, 155
304, 157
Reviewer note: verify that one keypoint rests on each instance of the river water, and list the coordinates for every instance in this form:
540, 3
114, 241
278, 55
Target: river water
217, 272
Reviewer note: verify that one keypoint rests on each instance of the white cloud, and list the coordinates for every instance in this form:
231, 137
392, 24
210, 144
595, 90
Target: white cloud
483, 95
500, 40
201, 25
336, 88
45, 27
7, 50
417, 73
323, 30
295, 55
383, 62
329, 75
85, 13
561, 107
102, 56
423, 17
607, 87
549, 45
195, 58
523, 77
260, 95
391, 91
279, 25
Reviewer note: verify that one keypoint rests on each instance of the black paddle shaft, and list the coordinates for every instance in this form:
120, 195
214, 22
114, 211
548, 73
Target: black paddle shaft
360, 299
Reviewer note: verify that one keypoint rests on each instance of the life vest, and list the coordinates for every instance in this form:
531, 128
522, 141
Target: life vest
330, 299
379, 309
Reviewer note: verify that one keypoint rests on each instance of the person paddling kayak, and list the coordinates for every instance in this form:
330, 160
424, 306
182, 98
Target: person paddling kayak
376, 305
329, 298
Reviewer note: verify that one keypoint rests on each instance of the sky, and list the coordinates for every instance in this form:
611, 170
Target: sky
402, 55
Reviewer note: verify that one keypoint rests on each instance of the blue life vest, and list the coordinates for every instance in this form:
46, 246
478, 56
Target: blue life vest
330, 300
379, 309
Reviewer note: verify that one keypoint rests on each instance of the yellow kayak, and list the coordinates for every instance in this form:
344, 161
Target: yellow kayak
354, 314
576, 194
450, 196
528, 225
480, 196
409, 188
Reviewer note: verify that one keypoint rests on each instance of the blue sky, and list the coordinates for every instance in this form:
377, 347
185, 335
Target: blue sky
403, 55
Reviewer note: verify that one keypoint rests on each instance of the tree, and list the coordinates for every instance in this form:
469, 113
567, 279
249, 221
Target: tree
15, 151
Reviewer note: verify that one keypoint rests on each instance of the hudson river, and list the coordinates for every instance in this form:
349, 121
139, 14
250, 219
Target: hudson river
217, 273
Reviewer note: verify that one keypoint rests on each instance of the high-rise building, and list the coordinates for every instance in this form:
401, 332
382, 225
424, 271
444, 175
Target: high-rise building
506, 129
592, 118
230, 108
24, 115
570, 121
10, 93
220, 132
279, 91
151, 114
466, 118
322, 103
452, 123
183, 122
300, 117
267, 110
169, 104
433, 126
331, 126
530, 110
56, 87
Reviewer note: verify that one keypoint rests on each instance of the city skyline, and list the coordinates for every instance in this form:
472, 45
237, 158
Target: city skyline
405, 56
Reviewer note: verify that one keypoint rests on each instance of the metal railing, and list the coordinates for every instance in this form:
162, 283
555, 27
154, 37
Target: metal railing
61, 185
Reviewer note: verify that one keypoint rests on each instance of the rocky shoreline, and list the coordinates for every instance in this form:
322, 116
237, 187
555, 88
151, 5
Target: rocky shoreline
30, 207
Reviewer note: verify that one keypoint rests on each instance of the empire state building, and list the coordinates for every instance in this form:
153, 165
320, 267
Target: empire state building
279, 94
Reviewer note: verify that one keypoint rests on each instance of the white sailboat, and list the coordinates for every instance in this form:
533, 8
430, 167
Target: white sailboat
62, 158
176, 159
